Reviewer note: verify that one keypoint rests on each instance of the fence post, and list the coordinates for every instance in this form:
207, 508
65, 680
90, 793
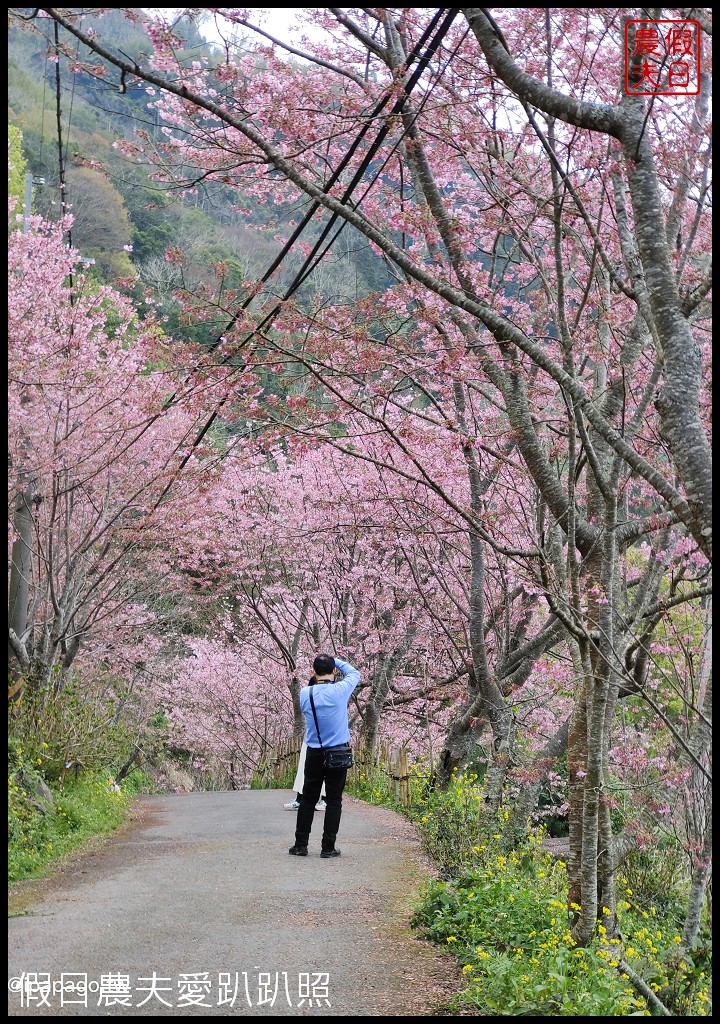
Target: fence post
403, 773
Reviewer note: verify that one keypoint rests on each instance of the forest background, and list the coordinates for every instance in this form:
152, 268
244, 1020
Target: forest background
393, 341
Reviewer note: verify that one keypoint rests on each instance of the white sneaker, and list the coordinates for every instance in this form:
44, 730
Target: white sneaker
320, 805
292, 806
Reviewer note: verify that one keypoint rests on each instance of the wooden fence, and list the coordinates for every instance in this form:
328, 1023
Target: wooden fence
391, 761
278, 760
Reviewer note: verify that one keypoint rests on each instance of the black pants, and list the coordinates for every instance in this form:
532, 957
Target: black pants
334, 778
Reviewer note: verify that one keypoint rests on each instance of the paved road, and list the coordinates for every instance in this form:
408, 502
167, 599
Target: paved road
196, 909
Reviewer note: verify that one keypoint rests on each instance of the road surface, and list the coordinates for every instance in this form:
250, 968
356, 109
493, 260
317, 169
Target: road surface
195, 908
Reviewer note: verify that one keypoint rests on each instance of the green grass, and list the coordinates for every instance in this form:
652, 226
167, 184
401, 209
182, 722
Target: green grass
278, 780
82, 807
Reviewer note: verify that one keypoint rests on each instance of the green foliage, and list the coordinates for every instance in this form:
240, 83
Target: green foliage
371, 784
17, 169
453, 824
153, 235
376, 785
137, 781
101, 225
656, 876
73, 728
50, 814
506, 921
282, 781
39, 829
270, 775
501, 908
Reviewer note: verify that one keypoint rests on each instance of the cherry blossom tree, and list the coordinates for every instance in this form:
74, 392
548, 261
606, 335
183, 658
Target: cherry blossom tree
100, 421
323, 549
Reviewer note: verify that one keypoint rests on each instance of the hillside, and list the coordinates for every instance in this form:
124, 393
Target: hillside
125, 222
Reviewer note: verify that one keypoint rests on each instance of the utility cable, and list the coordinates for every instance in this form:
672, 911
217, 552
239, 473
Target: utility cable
421, 66
357, 177
72, 99
61, 164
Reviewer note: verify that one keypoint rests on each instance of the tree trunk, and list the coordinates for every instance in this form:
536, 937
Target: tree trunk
385, 671
20, 567
527, 799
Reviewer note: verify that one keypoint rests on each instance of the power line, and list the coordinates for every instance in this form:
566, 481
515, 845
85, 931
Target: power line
357, 177
61, 164
72, 99
315, 254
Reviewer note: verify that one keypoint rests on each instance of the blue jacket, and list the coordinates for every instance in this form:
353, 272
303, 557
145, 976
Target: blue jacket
331, 701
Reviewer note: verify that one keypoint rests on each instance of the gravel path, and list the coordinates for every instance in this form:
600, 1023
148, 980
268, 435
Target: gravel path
195, 908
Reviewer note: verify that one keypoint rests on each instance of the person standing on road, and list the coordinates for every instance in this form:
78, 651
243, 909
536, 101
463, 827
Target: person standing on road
330, 698
300, 781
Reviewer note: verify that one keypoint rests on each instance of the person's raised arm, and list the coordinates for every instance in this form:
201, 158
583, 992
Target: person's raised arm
350, 673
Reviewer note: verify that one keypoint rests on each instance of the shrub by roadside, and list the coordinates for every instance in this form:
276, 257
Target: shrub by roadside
47, 820
501, 907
